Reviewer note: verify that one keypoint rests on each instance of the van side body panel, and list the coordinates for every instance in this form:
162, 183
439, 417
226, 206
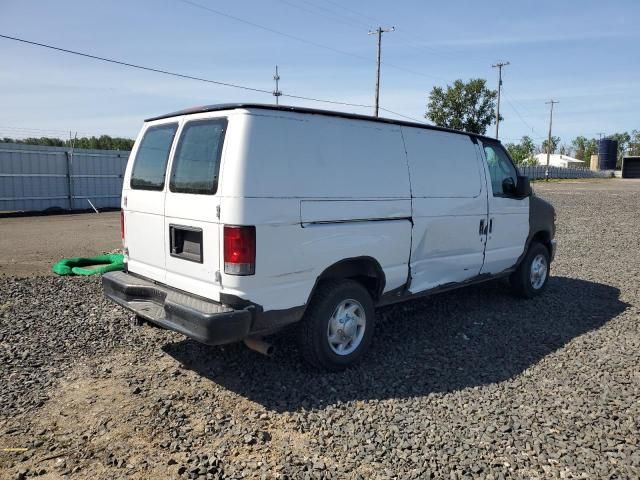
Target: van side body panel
318, 190
449, 204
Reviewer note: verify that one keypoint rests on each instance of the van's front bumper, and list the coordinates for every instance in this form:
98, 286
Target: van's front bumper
206, 321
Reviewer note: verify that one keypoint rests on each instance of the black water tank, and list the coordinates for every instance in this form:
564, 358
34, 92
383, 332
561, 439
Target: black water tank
607, 154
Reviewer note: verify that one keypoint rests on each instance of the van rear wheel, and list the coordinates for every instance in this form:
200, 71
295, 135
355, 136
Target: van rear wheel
337, 326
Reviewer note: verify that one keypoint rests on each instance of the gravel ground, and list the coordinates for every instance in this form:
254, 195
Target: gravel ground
467, 384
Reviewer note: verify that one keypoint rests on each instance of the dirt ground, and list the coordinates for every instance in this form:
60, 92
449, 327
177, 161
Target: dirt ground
30, 245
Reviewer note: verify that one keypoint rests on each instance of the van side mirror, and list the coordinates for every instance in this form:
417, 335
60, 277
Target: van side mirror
509, 186
523, 187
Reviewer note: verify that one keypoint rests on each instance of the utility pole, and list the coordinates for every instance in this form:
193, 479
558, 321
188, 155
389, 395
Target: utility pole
600, 134
379, 31
276, 92
551, 102
499, 67
70, 186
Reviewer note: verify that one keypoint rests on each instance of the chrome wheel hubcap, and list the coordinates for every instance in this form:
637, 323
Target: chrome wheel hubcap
539, 271
346, 327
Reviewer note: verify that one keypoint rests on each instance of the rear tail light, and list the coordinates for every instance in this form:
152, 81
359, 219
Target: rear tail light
122, 225
239, 250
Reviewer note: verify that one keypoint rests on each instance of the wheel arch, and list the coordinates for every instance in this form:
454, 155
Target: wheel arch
365, 269
543, 237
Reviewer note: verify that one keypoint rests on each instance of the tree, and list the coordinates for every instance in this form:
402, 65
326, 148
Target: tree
104, 142
584, 148
623, 141
464, 106
579, 145
591, 148
523, 152
555, 141
634, 143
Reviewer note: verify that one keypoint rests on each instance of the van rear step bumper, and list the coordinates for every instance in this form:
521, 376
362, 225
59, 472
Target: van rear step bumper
206, 321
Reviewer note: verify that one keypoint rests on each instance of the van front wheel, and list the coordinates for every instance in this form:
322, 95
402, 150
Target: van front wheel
532, 275
337, 326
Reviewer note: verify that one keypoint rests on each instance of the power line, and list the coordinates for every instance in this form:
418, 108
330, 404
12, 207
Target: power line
273, 30
411, 43
535, 133
527, 124
514, 103
133, 65
179, 75
369, 25
303, 40
338, 15
407, 35
333, 102
403, 116
190, 77
518, 113
352, 11
25, 131
320, 10
33, 130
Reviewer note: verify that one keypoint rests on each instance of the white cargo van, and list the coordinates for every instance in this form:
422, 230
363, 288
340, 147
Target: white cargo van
238, 220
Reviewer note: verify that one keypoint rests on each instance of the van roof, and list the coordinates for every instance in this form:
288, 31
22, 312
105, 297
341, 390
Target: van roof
314, 111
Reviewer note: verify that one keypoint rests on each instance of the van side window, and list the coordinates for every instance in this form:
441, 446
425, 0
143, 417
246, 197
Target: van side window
197, 160
151, 159
501, 168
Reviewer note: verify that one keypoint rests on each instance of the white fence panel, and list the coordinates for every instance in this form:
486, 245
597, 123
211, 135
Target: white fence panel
537, 172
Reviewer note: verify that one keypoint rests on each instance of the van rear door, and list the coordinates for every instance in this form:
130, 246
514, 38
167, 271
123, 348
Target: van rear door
143, 198
191, 224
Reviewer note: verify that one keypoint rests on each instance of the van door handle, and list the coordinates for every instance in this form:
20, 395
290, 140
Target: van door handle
490, 225
481, 230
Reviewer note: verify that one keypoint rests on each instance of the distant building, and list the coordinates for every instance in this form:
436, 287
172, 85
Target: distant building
558, 160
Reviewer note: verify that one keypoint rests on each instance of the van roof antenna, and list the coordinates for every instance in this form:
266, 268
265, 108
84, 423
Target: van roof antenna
277, 93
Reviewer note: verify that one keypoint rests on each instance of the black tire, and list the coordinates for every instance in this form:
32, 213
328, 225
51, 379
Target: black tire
521, 281
313, 328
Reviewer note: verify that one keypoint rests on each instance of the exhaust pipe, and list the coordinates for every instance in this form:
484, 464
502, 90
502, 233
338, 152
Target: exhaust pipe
259, 345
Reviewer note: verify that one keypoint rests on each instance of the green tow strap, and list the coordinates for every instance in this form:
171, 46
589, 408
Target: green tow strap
99, 264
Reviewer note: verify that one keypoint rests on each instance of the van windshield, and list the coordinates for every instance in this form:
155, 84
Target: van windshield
197, 161
151, 160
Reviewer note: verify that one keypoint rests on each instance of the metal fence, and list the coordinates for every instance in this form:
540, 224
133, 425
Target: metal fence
538, 172
35, 178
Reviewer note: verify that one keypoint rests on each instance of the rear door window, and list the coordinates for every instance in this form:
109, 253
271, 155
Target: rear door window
197, 161
150, 164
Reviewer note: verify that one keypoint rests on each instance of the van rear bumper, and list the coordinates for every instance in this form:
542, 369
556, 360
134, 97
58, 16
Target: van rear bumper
205, 321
